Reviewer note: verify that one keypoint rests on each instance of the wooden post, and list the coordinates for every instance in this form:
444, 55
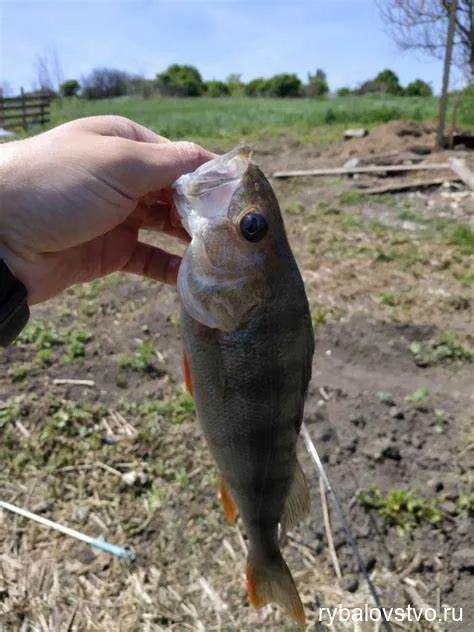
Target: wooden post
2, 112
443, 101
24, 121
42, 117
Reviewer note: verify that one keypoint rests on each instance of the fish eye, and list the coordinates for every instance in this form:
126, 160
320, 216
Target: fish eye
253, 227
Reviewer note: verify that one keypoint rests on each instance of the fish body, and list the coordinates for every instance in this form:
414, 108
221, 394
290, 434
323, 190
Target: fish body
248, 341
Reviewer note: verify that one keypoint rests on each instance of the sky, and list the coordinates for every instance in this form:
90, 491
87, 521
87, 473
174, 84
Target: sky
251, 37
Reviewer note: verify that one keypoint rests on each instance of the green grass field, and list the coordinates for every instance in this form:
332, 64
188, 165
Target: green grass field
229, 119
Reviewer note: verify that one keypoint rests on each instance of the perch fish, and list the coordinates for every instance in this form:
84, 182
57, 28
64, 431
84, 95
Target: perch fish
248, 345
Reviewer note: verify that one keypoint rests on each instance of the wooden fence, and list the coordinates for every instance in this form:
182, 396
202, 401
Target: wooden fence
24, 110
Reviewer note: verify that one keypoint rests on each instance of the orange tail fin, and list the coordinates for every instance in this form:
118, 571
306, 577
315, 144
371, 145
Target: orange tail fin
187, 374
274, 583
230, 508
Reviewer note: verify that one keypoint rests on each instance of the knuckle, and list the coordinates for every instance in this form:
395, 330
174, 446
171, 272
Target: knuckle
121, 151
119, 126
191, 153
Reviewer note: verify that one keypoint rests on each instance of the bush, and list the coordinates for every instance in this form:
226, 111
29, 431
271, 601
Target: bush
281, 85
216, 89
180, 81
466, 105
418, 88
330, 117
258, 87
104, 83
69, 88
235, 84
285, 85
386, 82
317, 84
135, 85
343, 92
148, 89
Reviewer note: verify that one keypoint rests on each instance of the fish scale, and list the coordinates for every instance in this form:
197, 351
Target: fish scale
248, 345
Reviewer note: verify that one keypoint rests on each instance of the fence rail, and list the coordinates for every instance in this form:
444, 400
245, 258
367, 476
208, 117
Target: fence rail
24, 110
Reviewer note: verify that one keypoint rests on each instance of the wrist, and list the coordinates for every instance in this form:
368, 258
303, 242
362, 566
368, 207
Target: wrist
9, 204
14, 310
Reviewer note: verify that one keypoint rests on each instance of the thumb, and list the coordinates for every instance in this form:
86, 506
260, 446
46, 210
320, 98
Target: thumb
152, 166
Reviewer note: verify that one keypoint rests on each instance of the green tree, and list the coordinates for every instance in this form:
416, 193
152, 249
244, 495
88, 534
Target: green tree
216, 88
285, 85
419, 88
317, 84
181, 81
343, 92
148, 88
387, 81
104, 83
136, 85
235, 84
69, 88
259, 87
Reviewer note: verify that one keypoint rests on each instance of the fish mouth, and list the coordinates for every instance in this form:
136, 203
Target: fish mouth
204, 195
219, 171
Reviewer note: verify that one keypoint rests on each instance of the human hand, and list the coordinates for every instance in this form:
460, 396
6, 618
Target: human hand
73, 199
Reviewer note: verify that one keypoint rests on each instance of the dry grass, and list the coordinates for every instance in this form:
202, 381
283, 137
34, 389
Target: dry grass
35, 596
64, 448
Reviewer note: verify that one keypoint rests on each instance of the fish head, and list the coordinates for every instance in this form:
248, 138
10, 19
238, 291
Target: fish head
230, 211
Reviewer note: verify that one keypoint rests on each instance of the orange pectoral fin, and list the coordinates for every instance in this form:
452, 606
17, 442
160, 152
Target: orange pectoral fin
187, 374
230, 508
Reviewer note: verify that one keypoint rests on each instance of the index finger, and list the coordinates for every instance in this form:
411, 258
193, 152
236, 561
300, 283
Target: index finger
112, 125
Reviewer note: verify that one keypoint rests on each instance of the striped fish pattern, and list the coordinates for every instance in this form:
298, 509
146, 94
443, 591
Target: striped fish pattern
248, 344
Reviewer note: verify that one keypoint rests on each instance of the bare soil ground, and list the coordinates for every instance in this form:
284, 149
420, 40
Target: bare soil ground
390, 408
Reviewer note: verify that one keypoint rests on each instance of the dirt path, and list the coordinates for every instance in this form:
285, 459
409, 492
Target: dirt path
390, 408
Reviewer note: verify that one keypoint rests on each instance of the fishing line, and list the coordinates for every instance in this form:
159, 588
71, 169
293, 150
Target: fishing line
126, 553
352, 541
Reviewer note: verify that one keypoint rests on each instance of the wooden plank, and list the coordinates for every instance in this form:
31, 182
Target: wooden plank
29, 104
9, 101
461, 169
28, 108
10, 116
344, 171
23, 118
410, 184
355, 133
30, 122
39, 121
